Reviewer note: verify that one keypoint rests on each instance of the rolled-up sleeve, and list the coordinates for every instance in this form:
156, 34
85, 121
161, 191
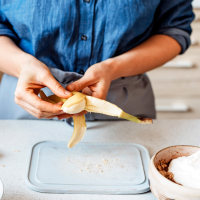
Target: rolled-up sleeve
173, 18
6, 28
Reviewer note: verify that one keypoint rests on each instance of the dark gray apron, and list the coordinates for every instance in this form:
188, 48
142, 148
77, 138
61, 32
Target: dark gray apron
133, 94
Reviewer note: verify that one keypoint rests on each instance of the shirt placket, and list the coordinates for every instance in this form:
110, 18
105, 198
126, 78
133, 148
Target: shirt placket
84, 49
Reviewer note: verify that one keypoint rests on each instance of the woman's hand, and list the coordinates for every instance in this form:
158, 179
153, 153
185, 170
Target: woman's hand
95, 82
33, 76
152, 53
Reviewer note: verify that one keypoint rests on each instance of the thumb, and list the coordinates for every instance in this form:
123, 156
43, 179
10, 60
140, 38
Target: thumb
56, 87
79, 84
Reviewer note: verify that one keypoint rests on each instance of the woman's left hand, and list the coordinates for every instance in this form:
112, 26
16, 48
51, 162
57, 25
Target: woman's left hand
95, 82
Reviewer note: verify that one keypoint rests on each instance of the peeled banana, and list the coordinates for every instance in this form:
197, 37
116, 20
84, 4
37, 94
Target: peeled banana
80, 102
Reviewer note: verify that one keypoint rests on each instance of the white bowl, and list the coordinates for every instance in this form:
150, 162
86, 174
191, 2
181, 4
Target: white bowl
163, 188
1, 189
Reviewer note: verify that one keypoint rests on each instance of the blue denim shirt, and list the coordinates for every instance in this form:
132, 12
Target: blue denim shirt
74, 34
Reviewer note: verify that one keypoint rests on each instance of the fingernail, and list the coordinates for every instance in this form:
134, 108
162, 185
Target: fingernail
67, 93
60, 103
71, 87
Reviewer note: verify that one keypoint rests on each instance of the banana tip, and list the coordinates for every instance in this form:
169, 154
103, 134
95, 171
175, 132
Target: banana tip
70, 145
146, 121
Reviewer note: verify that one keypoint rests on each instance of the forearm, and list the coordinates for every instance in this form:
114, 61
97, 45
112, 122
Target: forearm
11, 57
151, 54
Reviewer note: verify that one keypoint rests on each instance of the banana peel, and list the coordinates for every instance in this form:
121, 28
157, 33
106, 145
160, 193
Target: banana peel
51, 99
79, 102
104, 107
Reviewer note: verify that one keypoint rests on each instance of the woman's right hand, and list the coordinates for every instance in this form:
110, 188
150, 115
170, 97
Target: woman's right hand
33, 76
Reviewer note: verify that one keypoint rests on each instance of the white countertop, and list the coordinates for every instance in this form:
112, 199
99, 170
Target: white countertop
196, 3
18, 137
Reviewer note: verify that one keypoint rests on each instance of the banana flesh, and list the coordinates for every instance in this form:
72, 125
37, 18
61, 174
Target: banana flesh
80, 102
79, 130
101, 106
74, 104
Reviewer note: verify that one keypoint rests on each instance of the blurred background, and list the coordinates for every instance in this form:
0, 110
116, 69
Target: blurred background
177, 84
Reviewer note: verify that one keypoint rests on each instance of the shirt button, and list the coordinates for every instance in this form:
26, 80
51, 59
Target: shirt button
81, 72
86, 1
84, 37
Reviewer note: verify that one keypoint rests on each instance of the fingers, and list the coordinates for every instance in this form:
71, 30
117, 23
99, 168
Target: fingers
36, 106
64, 116
95, 82
100, 90
56, 87
42, 114
99, 95
36, 112
31, 79
87, 91
35, 101
80, 84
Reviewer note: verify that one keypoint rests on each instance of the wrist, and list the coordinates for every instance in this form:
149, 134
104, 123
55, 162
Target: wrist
31, 64
24, 61
113, 68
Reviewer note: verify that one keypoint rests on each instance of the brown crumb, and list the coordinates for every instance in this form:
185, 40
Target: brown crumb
17, 151
105, 161
99, 165
162, 167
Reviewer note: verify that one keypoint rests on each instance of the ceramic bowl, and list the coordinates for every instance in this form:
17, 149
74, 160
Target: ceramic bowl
163, 188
